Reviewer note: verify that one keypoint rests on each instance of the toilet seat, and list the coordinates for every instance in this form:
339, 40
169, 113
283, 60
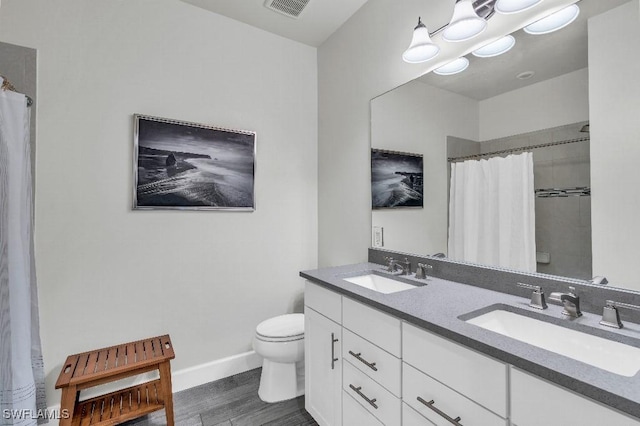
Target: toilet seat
283, 328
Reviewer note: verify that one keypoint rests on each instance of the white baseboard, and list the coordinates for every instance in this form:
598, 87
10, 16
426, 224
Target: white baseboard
215, 370
186, 378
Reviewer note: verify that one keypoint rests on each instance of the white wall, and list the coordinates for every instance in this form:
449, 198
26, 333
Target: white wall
358, 62
614, 67
550, 103
417, 118
108, 274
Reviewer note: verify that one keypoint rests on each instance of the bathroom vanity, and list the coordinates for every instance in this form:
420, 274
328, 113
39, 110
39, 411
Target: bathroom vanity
415, 357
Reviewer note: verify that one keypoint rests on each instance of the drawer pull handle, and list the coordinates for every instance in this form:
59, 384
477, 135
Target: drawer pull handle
333, 351
371, 365
431, 405
371, 402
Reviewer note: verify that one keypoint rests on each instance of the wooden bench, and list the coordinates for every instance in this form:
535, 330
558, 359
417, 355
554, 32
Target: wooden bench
88, 369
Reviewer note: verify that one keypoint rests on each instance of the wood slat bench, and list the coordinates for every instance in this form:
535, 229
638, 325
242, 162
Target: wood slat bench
88, 369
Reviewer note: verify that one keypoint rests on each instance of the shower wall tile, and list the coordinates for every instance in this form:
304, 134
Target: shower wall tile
571, 172
567, 265
543, 174
459, 147
585, 212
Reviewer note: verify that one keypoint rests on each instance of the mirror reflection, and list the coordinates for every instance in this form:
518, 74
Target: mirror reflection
469, 126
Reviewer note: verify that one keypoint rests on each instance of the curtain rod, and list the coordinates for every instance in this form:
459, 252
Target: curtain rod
523, 148
6, 85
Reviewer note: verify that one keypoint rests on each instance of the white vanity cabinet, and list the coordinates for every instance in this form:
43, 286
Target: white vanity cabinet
535, 402
366, 367
444, 381
322, 349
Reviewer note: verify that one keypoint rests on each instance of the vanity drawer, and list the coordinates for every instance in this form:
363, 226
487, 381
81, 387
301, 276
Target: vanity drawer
377, 327
474, 375
355, 414
410, 417
416, 384
387, 406
327, 302
363, 355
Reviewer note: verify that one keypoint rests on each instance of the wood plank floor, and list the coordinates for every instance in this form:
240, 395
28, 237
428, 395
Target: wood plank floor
232, 401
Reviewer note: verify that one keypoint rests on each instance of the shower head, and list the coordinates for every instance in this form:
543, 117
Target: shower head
585, 128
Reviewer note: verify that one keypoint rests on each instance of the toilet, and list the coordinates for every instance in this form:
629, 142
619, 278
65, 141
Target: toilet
280, 341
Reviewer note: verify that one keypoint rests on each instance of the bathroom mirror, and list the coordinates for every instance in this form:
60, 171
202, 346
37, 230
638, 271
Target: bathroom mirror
487, 108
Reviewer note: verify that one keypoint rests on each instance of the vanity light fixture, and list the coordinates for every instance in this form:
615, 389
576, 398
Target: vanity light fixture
469, 19
454, 67
514, 6
465, 23
554, 22
495, 48
421, 48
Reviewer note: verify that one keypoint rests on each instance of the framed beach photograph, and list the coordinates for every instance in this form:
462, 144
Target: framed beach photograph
190, 166
396, 179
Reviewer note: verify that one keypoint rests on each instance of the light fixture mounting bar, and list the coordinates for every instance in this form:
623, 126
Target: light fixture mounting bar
484, 8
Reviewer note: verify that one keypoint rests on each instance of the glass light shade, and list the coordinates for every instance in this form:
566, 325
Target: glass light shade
498, 47
465, 23
555, 21
453, 67
421, 48
514, 6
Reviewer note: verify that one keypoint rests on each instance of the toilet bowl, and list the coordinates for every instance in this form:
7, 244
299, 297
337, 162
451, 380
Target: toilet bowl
280, 341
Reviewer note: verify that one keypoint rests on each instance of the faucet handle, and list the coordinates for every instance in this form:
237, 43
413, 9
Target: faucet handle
611, 316
537, 297
421, 270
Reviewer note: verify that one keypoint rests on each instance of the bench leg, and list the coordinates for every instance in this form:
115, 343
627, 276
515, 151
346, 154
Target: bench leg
165, 382
67, 405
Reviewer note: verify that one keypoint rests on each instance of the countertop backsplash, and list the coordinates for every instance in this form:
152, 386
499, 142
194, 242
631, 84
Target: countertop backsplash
592, 296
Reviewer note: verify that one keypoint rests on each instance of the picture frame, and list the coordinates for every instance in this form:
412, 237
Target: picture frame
397, 179
190, 166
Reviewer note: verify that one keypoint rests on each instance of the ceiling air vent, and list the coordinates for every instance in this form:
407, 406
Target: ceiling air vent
291, 8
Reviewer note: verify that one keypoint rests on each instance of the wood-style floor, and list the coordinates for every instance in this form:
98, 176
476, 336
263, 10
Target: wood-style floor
232, 401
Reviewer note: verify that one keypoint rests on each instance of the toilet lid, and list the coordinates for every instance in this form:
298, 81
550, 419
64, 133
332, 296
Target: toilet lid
291, 325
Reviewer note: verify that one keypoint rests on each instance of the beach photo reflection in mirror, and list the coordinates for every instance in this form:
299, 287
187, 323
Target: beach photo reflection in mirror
537, 95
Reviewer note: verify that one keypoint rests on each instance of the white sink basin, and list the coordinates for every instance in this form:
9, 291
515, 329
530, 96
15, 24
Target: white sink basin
379, 283
606, 354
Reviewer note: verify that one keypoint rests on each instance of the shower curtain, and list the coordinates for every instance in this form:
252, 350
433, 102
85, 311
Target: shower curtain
492, 212
21, 368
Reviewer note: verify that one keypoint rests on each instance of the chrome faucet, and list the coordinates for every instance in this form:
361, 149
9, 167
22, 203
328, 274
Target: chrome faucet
570, 301
392, 265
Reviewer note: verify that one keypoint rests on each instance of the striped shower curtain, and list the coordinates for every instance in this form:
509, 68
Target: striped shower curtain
21, 368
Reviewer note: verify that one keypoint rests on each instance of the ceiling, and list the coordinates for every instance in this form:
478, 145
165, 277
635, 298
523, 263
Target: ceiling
549, 56
316, 23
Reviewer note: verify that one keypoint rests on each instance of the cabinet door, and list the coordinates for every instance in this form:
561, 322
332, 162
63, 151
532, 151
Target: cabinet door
323, 368
537, 402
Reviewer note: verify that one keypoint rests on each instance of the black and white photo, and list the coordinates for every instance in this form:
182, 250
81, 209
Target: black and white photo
396, 179
186, 165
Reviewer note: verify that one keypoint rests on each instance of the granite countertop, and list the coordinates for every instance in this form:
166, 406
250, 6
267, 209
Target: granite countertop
442, 307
